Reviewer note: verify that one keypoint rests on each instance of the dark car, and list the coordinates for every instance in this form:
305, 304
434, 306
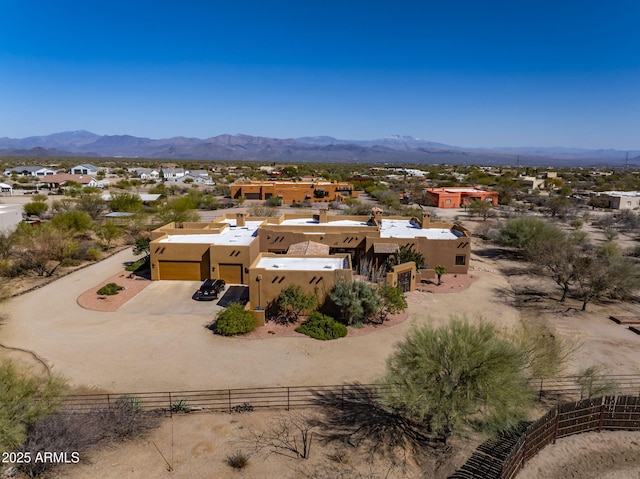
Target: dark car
210, 289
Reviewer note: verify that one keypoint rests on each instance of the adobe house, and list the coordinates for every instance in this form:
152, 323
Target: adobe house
456, 197
271, 273
228, 246
294, 191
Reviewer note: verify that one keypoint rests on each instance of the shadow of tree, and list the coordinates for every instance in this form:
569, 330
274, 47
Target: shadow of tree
355, 416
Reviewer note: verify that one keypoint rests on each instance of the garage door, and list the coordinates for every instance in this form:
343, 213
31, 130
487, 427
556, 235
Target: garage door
184, 270
231, 273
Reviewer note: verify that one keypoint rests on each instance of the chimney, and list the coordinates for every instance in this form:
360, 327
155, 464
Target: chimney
323, 216
377, 215
240, 219
426, 220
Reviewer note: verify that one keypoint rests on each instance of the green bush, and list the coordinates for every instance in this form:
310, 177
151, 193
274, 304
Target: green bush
320, 326
35, 208
234, 320
94, 253
110, 289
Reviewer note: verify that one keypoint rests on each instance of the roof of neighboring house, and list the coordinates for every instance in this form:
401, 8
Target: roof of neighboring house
118, 214
311, 248
27, 168
66, 177
5, 186
87, 166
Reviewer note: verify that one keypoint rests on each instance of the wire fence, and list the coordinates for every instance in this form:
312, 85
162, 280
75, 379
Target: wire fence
567, 388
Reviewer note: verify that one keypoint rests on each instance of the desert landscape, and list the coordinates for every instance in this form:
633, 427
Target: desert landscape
152, 337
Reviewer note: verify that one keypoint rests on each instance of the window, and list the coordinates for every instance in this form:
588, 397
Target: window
629, 204
448, 202
461, 260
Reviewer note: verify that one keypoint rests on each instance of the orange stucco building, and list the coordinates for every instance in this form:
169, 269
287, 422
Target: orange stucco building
294, 191
457, 197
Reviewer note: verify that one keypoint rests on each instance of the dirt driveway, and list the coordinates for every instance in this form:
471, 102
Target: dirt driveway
158, 340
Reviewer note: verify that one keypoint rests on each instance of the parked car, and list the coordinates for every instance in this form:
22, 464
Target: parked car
210, 289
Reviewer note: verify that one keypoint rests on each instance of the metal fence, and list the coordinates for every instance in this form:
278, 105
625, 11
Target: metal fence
223, 400
555, 390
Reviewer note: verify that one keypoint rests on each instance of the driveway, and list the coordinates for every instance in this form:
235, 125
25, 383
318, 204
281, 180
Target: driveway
170, 297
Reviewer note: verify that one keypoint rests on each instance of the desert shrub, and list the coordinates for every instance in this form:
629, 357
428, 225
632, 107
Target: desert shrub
356, 301
274, 201
234, 320
74, 220
294, 301
94, 253
76, 431
393, 298
263, 211
320, 326
110, 289
35, 208
239, 460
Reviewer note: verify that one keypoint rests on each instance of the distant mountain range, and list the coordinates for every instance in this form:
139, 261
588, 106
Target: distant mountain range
393, 149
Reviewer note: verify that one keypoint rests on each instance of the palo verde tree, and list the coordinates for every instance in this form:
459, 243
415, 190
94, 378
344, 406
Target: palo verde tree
24, 399
459, 374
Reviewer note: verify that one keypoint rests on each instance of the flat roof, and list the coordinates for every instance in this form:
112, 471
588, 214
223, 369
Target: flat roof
314, 222
621, 193
408, 229
302, 263
234, 235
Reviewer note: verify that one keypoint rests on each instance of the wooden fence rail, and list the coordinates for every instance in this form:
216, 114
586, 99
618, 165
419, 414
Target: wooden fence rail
611, 413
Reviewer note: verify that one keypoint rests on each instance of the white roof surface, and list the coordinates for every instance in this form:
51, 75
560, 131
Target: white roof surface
621, 193
406, 229
241, 236
312, 222
302, 264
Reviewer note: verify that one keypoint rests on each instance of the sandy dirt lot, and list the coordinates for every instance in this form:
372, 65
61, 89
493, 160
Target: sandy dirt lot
157, 341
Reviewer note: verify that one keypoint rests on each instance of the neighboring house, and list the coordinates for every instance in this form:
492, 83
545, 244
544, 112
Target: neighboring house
85, 169
621, 200
146, 173
10, 217
62, 180
457, 197
194, 180
29, 171
171, 174
294, 191
5, 189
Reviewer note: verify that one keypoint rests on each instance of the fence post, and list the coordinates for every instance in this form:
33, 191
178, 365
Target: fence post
288, 399
540, 395
556, 426
170, 406
109, 401
342, 398
601, 421
229, 398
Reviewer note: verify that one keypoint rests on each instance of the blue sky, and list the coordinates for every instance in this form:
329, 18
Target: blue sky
465, 73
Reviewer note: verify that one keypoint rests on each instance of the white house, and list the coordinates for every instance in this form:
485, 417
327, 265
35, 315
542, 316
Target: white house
622, 200
194, 180
5, 189
146, 173
85, 169
173, 173
29, 171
